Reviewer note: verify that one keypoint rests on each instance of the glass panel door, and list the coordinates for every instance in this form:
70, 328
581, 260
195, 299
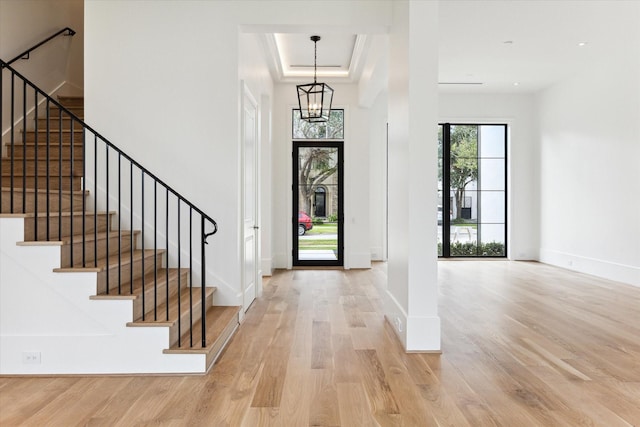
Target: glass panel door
317, 203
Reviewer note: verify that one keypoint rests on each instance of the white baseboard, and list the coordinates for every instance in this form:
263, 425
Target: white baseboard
359, 260
267, 266
597, 267
416, 333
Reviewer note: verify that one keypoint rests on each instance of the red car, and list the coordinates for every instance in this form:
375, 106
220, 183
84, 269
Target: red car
304, 223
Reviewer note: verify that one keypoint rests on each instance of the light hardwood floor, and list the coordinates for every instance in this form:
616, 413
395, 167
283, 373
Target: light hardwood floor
524, 344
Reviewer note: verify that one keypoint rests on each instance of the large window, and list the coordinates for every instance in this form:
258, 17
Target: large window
472, 190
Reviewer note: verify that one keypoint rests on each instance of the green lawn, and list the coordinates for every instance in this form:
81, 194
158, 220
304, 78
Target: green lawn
330, 244
327, 228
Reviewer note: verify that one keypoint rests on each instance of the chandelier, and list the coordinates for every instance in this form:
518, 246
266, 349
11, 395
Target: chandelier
314, 99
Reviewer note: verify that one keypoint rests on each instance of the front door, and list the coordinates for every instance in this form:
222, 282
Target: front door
250, 205
317, 179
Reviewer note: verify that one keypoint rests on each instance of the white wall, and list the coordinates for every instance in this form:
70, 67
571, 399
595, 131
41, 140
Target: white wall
519, 113
590, 168
55, 67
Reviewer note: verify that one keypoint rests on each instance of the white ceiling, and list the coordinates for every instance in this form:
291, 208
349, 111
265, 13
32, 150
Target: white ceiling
507, 46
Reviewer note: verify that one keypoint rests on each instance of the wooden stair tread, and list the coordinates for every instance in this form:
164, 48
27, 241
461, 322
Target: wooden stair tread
65, 214
125, 290
20, 143
90, 236
222, 322
43, 175
52, 130
111, 261
44, 191
185, 307
217, 318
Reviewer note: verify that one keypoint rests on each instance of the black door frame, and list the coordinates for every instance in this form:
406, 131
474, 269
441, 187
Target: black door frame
339, 145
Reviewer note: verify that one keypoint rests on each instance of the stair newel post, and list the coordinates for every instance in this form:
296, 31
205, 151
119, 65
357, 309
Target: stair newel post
179, 276
202, 284
24, 149
166, 269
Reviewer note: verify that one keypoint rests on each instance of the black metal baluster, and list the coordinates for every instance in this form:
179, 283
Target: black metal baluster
155, 250
143, 255
12, 136
60, 175
179, 276
35, 189
84, 203
24, 150
47, 169
119, 223
71, 189
166, 270
203, 308
190, 276
131, 222
106, 175
95, 203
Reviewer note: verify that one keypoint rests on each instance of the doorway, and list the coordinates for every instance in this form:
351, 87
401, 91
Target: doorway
250, 234
318, 203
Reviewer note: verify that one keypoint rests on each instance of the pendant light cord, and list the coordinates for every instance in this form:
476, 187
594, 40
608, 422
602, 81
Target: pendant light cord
315, 59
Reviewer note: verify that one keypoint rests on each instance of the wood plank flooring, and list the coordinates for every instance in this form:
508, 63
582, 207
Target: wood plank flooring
524, 344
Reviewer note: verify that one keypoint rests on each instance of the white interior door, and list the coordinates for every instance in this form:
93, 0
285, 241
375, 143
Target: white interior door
250, 197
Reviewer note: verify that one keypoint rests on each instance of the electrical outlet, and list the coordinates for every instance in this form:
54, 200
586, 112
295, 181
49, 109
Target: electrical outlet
31, 358
398, 323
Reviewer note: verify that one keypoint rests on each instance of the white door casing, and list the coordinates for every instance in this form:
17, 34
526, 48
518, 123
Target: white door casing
250, 198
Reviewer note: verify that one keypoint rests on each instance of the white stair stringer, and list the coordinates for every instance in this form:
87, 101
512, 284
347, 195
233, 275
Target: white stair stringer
51, 315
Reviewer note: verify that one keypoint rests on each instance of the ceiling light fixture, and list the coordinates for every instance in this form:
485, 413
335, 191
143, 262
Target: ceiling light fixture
314, 99
582, 44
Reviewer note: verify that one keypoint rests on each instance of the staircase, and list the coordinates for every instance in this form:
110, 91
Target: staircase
43, 182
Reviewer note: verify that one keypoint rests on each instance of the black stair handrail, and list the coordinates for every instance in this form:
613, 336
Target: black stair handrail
4, 64
35, 97
25, 54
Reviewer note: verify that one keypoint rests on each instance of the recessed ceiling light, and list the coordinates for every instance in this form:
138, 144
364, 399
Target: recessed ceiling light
516, 84
582, 44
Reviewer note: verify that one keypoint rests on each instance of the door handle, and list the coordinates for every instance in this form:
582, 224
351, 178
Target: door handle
255, 227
